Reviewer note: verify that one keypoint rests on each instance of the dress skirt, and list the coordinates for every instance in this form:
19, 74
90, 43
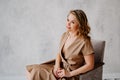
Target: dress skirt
45, 72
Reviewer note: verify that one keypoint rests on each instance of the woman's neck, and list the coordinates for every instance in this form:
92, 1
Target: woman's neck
73, 34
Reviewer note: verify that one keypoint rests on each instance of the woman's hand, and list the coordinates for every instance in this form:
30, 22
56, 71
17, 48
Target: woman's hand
55, 71
63, 73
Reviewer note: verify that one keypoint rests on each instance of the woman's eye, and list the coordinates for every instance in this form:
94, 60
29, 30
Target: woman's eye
73, 22
67, 19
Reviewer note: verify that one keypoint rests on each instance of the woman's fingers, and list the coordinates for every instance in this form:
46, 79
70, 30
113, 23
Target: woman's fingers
61, 73
55, 73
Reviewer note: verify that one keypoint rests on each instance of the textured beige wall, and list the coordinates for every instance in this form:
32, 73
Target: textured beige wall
30, 31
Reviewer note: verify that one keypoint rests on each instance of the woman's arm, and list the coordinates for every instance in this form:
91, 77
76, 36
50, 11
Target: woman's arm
57, 61
57, 65
89, 65
58, 58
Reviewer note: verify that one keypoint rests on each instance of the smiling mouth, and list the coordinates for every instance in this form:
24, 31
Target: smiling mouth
67, 27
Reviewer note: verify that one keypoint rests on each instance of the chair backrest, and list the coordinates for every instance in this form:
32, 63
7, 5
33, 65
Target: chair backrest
99, 47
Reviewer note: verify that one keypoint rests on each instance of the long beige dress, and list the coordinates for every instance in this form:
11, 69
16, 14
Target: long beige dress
72, 58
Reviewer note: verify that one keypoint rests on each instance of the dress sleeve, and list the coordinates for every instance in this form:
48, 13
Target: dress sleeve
87, 47
62, 37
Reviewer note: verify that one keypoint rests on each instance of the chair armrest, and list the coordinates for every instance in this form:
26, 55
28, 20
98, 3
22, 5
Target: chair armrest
97, 65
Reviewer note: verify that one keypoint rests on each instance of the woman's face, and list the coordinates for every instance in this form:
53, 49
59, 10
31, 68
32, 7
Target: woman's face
72, 23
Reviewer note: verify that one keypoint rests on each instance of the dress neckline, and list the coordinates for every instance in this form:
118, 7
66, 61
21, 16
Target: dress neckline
63, 47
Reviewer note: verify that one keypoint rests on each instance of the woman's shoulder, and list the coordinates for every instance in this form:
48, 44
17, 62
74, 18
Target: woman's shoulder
87, 39
65, 34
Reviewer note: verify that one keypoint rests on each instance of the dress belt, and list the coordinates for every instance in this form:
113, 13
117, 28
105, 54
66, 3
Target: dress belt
66, 65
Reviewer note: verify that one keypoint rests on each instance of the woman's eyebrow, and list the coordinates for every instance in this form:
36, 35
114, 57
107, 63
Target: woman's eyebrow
72, 20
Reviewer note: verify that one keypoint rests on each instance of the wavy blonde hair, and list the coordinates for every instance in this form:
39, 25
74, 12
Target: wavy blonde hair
84, 28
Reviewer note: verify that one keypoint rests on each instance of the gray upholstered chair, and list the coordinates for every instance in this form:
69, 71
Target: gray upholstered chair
96, 73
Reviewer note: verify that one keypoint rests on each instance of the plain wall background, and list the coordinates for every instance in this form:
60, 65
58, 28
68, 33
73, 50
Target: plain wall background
30, 31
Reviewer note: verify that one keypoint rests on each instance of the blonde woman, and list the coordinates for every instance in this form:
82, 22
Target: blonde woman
75, 55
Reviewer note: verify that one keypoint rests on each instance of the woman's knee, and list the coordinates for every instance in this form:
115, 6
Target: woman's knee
28, 75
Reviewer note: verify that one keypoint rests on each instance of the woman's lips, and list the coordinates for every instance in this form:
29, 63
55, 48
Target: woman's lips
68, 27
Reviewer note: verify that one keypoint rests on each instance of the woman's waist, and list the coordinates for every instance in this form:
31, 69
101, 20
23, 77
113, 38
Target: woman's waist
70, 66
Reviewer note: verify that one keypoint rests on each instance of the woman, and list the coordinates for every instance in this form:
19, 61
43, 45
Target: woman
75, 53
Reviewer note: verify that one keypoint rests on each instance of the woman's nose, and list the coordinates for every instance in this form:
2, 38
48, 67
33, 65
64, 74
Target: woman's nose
68, 23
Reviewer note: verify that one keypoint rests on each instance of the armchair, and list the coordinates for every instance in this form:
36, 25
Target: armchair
96, 73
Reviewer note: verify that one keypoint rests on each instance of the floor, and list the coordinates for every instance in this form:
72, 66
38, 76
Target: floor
115, 76
111, 76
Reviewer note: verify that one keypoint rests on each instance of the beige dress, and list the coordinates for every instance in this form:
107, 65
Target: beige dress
72, 58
